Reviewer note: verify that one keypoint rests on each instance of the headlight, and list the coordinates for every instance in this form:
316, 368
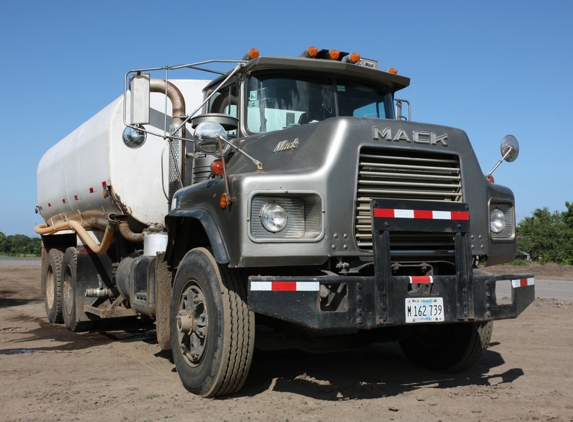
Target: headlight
497, 220
273, 217
296, 217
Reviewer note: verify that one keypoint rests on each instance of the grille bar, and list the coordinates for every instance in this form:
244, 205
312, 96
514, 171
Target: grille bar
405, 174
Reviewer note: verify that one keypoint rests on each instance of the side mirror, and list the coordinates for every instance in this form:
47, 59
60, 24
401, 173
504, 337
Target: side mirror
509, 152
139, 99
509, 148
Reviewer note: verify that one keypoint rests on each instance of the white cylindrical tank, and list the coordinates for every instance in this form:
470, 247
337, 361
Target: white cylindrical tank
74, 174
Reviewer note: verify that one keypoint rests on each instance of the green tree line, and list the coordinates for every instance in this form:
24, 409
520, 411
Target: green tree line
547, 236
20, 245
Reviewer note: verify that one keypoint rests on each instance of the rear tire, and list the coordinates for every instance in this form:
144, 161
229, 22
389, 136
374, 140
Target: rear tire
448, 347
212, 330
52, 286
72, 310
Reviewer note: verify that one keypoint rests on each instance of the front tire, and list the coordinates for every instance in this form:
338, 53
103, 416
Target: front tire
212, 330
52, 286
448, 347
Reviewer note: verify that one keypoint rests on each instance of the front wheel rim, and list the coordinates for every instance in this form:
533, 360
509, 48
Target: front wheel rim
192, 323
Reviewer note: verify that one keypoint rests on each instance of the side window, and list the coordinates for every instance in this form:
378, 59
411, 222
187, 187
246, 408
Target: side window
225, 101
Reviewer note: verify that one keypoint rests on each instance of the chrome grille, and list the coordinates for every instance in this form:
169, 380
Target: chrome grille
404, 174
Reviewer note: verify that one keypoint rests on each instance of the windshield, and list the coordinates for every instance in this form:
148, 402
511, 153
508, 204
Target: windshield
277, 101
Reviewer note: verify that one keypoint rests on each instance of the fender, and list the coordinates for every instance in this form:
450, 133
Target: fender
203, 217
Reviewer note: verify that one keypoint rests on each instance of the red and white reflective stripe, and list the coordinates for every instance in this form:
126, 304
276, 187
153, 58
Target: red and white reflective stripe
523, 282
421, 279
285, 286
421, 214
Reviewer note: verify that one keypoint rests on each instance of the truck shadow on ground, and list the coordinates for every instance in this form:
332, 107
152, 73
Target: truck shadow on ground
378, 371
12, 298
103, 332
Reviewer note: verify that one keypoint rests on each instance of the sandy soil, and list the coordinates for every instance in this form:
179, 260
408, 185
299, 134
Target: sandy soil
117, 372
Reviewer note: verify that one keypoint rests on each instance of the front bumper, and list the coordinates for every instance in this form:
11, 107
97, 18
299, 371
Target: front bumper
368, 302
333, 302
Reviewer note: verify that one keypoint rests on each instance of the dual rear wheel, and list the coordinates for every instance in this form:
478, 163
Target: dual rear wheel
59, 285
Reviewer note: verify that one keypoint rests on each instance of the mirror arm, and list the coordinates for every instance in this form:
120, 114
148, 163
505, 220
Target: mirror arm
509, 149
236, 148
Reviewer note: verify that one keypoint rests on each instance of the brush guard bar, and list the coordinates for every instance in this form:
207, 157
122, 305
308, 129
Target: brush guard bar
367, 302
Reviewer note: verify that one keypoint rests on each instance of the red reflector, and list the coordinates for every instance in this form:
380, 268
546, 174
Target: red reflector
284, 286
421, 279
423, 214
383, 212
460, 215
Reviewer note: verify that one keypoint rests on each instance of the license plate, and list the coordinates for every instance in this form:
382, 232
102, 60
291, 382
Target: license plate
425, 310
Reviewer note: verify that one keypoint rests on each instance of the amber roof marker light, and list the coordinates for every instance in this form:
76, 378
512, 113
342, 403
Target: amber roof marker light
310, 52
351, 58
253, 53
334, 54
392, 71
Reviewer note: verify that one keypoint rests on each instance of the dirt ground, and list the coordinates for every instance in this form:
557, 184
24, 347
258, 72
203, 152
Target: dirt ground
117, 372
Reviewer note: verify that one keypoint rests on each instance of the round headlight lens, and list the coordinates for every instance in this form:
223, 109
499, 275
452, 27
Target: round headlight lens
497, 221
273, 217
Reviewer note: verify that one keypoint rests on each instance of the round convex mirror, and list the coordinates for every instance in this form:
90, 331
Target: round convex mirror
210, 138
507, 143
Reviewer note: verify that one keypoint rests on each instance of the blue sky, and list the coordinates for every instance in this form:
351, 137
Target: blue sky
491, 68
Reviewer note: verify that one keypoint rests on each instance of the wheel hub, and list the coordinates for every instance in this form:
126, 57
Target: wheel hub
192, 324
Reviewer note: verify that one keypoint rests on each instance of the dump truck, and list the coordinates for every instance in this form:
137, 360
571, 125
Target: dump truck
288, 203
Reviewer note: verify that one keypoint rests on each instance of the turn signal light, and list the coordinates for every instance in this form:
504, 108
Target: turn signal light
393, 71
217, 167
490, 178
223, 201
